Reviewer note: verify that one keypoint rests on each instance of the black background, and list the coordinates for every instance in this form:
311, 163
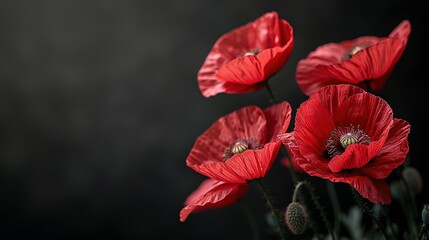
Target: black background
99, 107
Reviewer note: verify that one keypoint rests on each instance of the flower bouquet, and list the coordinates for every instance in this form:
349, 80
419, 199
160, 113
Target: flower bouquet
343, 133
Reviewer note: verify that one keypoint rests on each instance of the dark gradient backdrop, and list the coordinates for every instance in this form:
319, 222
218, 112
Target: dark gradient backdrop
99, 107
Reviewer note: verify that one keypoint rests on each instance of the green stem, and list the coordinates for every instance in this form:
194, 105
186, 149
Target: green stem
316, 202
251, 219
335, 205
273, 98
291, 168
365, 208
281, 226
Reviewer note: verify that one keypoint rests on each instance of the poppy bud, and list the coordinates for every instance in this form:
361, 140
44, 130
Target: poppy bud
296, 218
413, 178
425, 214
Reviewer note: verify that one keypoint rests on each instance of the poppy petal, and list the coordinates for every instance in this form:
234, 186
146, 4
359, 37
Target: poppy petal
355, 156
292, 149
402, 31
242, 167
375, 190
313, 126
337, 63
392, 154
212, 194
245, 122
228, 69
362, 111
278, 118
334, 96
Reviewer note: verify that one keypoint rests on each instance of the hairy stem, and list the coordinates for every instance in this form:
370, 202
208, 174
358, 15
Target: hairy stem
316, 202
273, 98
270, 203
335, 205
366, 209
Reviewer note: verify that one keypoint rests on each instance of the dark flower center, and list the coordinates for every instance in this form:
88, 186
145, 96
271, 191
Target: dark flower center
240, 146
252, 52
354, 50
342, 137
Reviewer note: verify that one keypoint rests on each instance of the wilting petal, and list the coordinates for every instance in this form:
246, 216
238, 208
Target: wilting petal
212, 194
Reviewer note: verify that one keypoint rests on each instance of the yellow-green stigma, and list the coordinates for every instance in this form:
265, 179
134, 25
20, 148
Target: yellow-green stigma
354, 50
239, 146
347, 139
252, 52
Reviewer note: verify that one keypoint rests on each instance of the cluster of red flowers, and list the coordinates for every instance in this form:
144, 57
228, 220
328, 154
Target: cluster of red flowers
342, 132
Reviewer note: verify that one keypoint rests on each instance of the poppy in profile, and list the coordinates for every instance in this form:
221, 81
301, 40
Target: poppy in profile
243, 59
344, 134
366, 61
236, 149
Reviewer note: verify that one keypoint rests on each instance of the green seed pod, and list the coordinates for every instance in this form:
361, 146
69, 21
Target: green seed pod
296, 218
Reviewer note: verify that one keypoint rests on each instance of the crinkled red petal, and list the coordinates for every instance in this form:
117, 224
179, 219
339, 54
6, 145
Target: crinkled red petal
226, 69
242, 123
313, 126
278, 119
325, 66
212, 194
392, 154
242, 167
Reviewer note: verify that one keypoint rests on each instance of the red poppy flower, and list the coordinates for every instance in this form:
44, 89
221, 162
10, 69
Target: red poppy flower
365, 60
236, 149
345, 134
243, 59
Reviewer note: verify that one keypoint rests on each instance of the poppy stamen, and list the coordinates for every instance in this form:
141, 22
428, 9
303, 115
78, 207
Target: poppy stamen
341, 138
